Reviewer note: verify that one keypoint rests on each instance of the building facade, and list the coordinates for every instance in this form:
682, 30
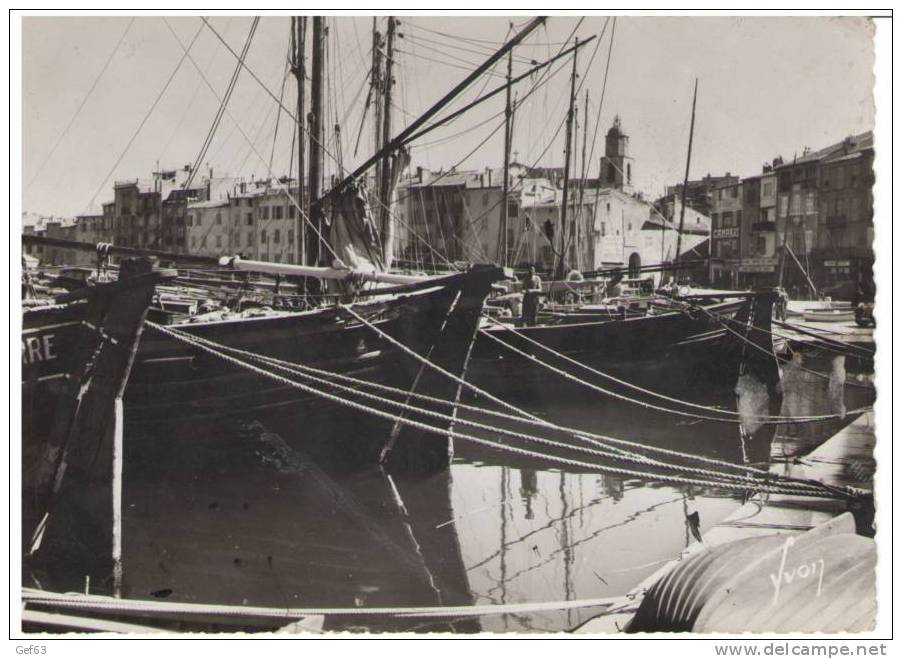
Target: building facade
726, 241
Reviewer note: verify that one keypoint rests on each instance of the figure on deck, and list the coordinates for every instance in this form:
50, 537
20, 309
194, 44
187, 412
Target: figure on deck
532, 289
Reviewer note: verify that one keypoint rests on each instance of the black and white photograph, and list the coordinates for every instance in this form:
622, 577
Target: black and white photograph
378, 324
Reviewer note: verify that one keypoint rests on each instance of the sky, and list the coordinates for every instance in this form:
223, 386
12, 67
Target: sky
767, 86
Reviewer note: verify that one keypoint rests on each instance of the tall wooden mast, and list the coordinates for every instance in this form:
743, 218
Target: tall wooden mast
582, 183
298, 39
676, 257
315, 131
505, 183
568, 144
385, 224
376, 88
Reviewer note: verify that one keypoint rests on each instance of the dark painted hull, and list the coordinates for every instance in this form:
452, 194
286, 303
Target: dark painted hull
175, 383
669, 353
76, 359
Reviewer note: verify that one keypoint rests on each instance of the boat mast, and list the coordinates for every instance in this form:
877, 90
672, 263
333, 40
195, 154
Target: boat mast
505, 184
377, 89
298, 39
569, 140
402, 137
676, 257
385, 222
315, 129
582, 181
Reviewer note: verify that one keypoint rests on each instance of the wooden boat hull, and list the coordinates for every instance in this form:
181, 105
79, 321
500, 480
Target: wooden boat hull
672, 352
76, 359
175, 383
829, 315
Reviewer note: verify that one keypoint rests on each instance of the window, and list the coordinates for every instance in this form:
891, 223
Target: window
291, 236
767, 190
738, 218
612, 173
809, 202
262, 236
219, 241
250, 219
190, 219
278, 257
629, 172
290, 212
194, 241
276, 236
277, 213
608, 207
485, 199
715, 220
734, 191
512, 210
203, 242
218, 218
250, 238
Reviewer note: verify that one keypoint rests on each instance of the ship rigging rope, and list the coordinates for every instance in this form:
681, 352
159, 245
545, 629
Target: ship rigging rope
592, 438
786, 486
732, 416
810, 332
784, 360
603, 450
81, 106
223, 104
576, 433
836, 347
150, 110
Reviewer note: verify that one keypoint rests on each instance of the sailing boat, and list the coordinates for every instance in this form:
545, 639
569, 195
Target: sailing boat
385, 339
695, 351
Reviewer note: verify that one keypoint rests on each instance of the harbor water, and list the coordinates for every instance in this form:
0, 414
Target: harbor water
231, 510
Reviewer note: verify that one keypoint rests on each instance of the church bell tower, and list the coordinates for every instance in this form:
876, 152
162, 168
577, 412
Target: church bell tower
617, 165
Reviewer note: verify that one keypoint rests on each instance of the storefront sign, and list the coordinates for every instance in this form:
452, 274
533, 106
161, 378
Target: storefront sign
728, 232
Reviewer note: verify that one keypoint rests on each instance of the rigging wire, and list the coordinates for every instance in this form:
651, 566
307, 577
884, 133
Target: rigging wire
81, 105
194, 94
270, 93
150, 110
222, 105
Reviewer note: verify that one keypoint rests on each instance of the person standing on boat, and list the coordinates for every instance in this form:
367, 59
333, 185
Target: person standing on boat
532, 288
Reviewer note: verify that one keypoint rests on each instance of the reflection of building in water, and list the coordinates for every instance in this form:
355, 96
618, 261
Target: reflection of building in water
529, 488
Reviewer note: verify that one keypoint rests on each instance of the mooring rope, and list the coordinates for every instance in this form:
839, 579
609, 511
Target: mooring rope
808, 332
592, 438
787, 486
784, 360
734, 417
604, 451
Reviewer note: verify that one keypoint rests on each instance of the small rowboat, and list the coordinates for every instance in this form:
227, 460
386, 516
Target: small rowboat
829, 315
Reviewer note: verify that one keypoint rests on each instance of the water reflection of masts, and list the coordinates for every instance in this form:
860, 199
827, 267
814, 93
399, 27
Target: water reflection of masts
504, 503
618, 494
565, 542
592, 536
